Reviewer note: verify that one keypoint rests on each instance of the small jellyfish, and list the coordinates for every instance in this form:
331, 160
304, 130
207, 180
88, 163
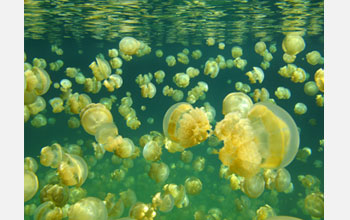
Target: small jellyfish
31, 185
300, 108
163, 202
129, 45
314, 204
260, 47
293, 44
73, 170
282, 180
319, 79
211, 68
93, 116
170, 60
152, 151
210, 41
186, 125
159, 53
314, 58
253, 186
89, 208
257, 74
236, 51
48, 210
236, 102
159, 172
310, 88
193, 185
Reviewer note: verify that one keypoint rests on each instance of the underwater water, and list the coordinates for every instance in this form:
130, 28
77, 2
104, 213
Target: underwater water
76, 32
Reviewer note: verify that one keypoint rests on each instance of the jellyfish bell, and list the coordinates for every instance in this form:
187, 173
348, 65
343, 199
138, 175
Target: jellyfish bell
105, 131
186, 125
31, 185
277, 134
237, 102
293, 44
44, 80
89, 208
129, 45
73, 170
253, 186
93, 116
152, 151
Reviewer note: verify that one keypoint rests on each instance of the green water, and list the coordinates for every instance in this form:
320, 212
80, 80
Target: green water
85, 29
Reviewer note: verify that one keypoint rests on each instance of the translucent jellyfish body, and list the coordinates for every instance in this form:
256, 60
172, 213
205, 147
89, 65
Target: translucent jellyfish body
101, 69
129, 45
93, 116
159, 172
193, 185
48, 210
51, 156
186, 125
257, 74
73, 170
319, 79
293, 44
152, 151
211, 68
31, 184
89, 208
236, 102
163, 202
253, 186
266, 138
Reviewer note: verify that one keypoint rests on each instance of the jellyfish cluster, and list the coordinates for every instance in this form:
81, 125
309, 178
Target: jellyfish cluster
219, 140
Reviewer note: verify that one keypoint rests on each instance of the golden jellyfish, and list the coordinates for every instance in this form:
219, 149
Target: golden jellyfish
253, 186
159, 75
116, 62
115, 208
314, 58
267, 56
265, 65
89, 208
58, 194
129, 45
193, 185
198, 164
73, 170
196, 54
282, 180
319, 100
179, 194
152, 151
101, 69
140, 211
44, 80
159, 172
210, 41
26, 113
105, 132
30, 164
314, 204
266, 138
37, 106
310, 88
182, 80
148, 90
48, 210
163, 202
56, 104
186, 156
211, 68
319, 79
39, 121
39, 62
257, 74
293, 44
183, 58
221, 46
124, 147
71, 72
31, 185
80, 79
94, 115
236, 51
51, 156
288, 58
260, 48
73, 122
128, 197
235, 182
113, 53
159, 53
299, 75
236, 102
282, 93
300, 108
186, 125
170, 60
